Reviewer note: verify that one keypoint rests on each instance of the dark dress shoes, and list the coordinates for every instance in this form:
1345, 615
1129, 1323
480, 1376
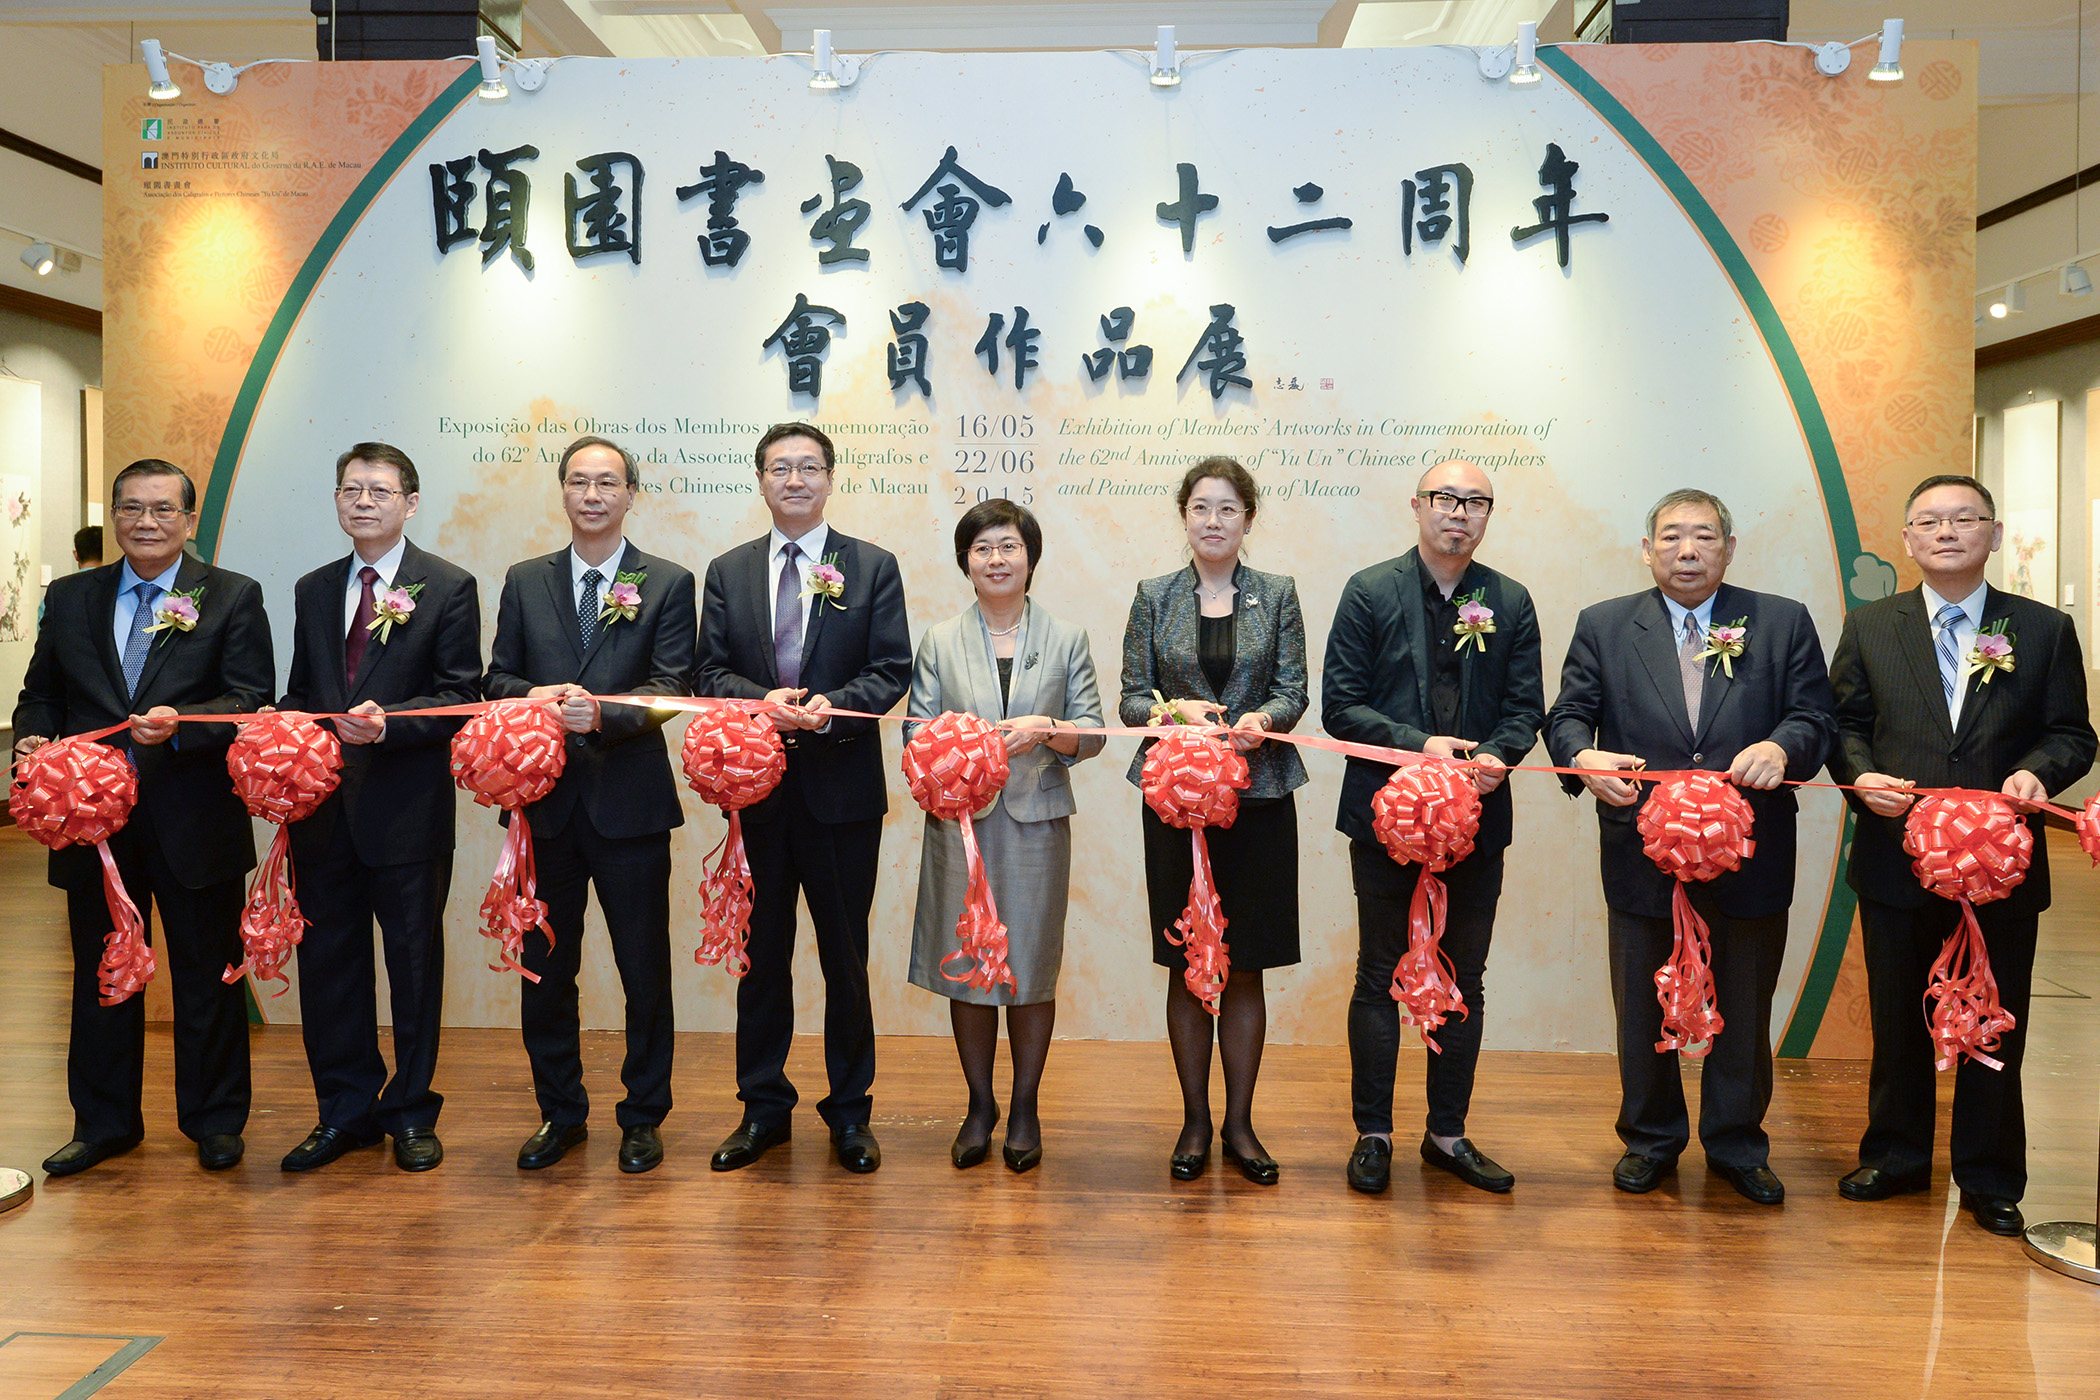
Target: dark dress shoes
1023, 1160
77, 1156
1371, 1165
218, 1151
1754, 1183
640, 1148
550, 1144
1469, 1164
968, 1154
324, 1144
417, 1149
1874, 1184
858, 1151
1995, 1214
747, 1144
1187, 1166
1638, 1173
1259, 1167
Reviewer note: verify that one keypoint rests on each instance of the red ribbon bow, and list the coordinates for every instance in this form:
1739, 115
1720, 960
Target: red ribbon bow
510, 756
1427, 814
1694, 827
953, 766
283, 767
78, 792
1972, 849
1194, 781
733, 758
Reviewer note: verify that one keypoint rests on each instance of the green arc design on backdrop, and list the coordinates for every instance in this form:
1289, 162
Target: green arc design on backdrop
235, 438
1836, 930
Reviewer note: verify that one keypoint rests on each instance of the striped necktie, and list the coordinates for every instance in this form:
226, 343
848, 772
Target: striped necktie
1950, 659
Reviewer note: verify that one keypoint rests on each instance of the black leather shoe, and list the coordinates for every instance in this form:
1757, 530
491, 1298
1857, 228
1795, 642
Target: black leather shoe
324, 1144
747, 1144
1261, 1169
417, 1149
1371, 1166
78, 1156
1021, 1161
550, 1144
1995, 1214
968, 1154
218, 1151
1468, 1164
857, 1149
1637, 1173
1754, 1183
1187, 1166
1874, 1184
640, 1148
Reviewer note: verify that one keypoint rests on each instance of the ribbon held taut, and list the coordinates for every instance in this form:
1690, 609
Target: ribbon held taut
1194, 781
1971, 849
79, 792
1695, 825
283, 767
953, 767
1427, 814
510, 756
733, 758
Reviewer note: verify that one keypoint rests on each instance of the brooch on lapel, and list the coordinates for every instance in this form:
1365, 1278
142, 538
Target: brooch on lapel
1029, 664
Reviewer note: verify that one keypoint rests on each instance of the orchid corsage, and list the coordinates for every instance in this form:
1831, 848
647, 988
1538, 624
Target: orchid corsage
177, 612
1165, 711
1724, 643
825, 581
1990, 653
623, 601
391, 609
1475, 620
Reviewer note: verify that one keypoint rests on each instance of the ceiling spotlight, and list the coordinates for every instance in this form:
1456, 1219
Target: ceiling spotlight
1166, 68
1890, 67
1527, 70
491, 69
823, 70
2010, 301
40, 258
162, 88
2074, 281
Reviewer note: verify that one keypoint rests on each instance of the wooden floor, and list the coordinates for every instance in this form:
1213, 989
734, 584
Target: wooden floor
1094, 1276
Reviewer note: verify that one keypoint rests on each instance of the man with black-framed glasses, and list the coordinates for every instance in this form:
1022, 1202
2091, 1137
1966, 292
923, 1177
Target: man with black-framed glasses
1914, 710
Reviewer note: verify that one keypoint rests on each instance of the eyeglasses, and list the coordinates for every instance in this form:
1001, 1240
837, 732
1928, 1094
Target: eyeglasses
381, 495
784, 470
161, 511
1006, 549
1967, 523
585, 485
1472, 507
1224, 515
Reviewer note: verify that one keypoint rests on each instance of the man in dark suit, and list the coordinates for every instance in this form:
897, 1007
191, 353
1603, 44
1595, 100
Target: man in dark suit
770, 636
1638, 669
600, 617
1912, 713
102, 657
1402, 673
381, 845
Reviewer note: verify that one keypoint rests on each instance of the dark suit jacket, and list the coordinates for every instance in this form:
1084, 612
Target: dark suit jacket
75, 683
1892, 718
396, 794
1374, 687
857, 656
1620, 690
621, 773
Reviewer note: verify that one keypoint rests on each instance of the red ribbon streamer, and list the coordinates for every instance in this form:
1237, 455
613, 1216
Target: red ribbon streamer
1427, 814
283, 766
78, 792
510, 756
127, 963
1695, 825
1194, 781
733, 758
1971, 849
953, 766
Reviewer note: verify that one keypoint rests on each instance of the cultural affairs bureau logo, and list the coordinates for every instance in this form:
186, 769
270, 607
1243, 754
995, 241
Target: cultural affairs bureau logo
149, 160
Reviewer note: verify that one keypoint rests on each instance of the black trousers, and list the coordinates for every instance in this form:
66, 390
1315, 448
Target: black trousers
1383, 889
1735, 1078
1989, 1138
632, 875
832, 865
200, 938
338, 999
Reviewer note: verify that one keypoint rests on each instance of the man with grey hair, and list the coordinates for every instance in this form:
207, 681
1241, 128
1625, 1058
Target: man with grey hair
1695, 674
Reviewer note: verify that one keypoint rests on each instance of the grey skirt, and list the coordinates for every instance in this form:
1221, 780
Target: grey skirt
1029, 866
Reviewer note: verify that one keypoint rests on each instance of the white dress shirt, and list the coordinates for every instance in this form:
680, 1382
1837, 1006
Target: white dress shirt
812, 547
608, 572
386, 565
128, 600
1964, 628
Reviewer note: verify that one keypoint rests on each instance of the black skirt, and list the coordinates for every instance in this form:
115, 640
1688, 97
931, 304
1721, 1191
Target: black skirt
1255, 865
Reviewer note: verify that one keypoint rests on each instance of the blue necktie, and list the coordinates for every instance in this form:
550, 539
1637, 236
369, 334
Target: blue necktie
1950, 660
587, 607
787, 620
138, 642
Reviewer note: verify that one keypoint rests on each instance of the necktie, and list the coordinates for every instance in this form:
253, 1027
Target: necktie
360, 627
587, 608
1692, 669
1950, 660
787, 620
138, 642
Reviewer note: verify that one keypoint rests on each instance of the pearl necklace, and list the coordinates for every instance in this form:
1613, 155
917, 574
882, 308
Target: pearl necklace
1002, 631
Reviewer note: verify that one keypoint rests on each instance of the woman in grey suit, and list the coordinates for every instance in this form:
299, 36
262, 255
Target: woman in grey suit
1225, 644
1005, 659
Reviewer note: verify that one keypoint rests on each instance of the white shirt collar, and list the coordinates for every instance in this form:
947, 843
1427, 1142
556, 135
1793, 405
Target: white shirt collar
129, 578
811, 544
608, 571
1972, 605
387, 565
1679, 612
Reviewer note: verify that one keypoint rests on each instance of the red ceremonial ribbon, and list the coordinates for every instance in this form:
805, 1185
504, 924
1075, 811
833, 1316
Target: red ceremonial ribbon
510, 755
283, 767
1427, 815
1695, 825
1972, 849
1193, 780
77, 792
954, 766
733, 758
